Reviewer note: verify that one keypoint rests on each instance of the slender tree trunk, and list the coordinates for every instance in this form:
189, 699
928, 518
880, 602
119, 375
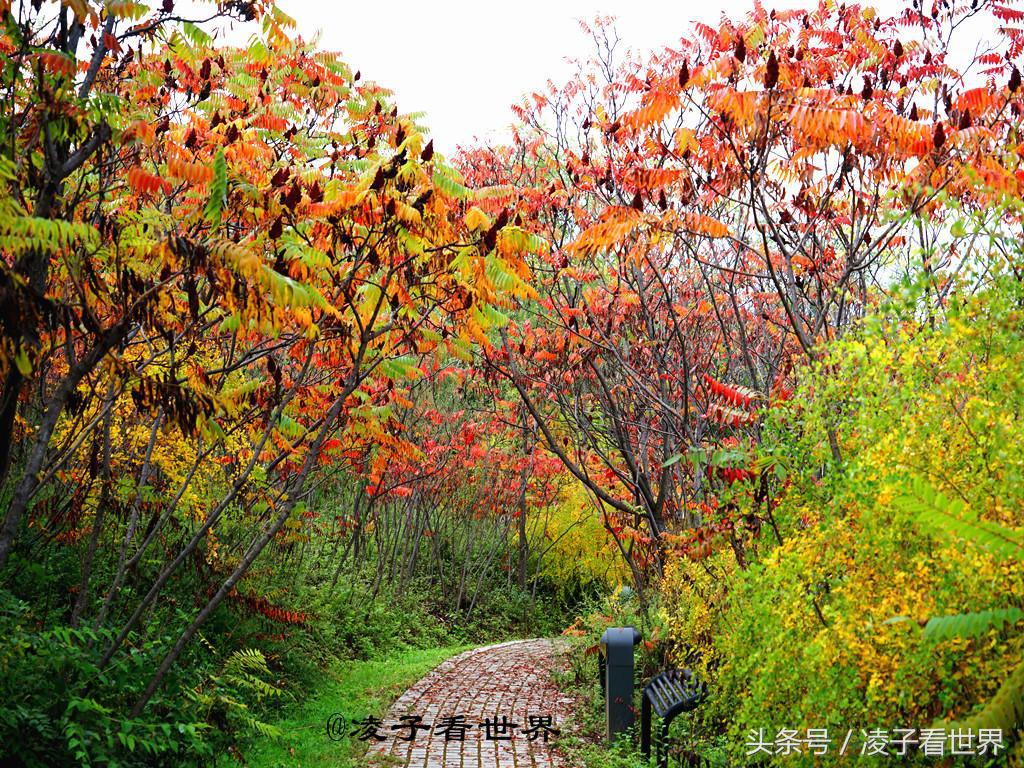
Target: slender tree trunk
29, 482
254, 551
524, 477
133, 520
97, 521
211, 519
352, 545
8, 410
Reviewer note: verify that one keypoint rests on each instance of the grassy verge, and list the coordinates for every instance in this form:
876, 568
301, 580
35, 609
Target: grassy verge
355, 689
585, 746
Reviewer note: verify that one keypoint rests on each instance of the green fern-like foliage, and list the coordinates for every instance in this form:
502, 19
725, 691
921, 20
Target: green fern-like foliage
20, 232
1005, 710
257, 726
955, 519
243, 676
968, 625
218, 189
246, 668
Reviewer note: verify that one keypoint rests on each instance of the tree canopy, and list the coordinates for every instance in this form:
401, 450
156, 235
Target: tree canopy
737, 324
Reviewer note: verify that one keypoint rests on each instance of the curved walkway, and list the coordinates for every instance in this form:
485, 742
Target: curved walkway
486, 708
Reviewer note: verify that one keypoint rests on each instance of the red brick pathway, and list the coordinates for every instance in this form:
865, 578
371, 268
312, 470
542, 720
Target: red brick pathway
509, 680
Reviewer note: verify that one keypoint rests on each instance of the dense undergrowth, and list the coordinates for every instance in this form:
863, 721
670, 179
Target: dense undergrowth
888, 594
287, 396
248, 673
892, 595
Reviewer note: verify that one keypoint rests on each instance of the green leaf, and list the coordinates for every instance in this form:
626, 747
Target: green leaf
968, 625
954, 519
672, 460
1003, 711
218, 189
397, 368
494, 318
450, 187
196, 35
231, 323
22, 362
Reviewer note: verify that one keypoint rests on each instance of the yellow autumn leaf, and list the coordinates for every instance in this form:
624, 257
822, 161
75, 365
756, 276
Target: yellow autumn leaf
477, 220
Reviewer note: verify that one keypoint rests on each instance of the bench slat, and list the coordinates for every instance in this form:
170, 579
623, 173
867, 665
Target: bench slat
675, 690
669, 693
658, 699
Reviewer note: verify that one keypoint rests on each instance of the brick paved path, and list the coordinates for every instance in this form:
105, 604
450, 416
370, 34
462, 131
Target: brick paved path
511, 679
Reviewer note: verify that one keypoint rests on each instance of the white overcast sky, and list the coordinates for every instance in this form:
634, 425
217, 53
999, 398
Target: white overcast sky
465, 63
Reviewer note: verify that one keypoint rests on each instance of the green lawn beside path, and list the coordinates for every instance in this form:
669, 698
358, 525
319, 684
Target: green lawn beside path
355, 689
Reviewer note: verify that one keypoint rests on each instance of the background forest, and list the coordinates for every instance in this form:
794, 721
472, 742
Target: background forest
282, 389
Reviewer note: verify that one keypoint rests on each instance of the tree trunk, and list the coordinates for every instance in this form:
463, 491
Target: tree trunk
254, 551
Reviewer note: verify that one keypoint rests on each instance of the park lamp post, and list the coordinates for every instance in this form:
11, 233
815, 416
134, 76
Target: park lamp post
617, 675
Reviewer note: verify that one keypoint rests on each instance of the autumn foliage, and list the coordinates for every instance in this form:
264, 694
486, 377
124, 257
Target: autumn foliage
257, 336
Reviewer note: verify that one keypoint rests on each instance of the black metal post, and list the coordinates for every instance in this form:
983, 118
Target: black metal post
618, 645
645, 726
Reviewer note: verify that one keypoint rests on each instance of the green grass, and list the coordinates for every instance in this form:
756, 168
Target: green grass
356, 689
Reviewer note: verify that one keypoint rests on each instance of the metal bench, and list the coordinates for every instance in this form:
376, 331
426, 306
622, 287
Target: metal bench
668, 694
